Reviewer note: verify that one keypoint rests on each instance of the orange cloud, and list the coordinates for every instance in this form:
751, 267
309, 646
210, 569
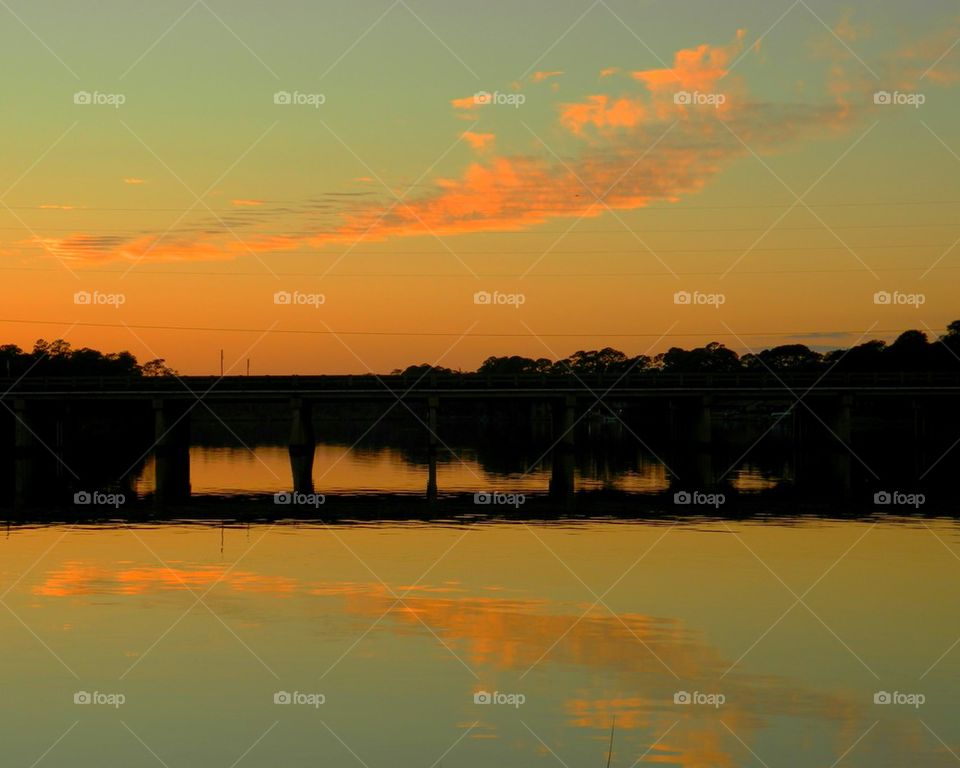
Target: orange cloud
602, 112
539, 77
687, 149
697, 70
467, 102
133, 180
933, 58
694, 69
846, 30
247, 203
478, 140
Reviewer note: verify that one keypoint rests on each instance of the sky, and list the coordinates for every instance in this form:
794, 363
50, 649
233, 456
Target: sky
360, 186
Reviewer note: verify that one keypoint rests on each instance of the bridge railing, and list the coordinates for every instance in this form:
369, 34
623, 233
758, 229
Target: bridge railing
476, 381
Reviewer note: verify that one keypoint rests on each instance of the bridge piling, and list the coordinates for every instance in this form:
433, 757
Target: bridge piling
433, 408
703, 423
171, 451
919, 438
25, 455
303, 445
843, 418
563, 464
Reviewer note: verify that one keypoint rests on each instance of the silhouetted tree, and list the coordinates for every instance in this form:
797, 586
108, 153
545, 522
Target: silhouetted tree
786, 357
910, 352
515, 364
714, 358
157, 367
424, 369
603, 360
863, 357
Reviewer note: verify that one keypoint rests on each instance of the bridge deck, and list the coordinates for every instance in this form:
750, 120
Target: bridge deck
480, 386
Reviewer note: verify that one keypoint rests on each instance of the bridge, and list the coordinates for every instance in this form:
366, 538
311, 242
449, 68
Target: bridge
478, 385
690, 398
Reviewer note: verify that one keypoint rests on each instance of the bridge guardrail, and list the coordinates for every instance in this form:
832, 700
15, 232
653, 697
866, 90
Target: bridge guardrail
475, 381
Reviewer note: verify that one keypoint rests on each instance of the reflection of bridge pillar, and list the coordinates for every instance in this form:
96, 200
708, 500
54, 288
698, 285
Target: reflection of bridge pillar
703, 467
25, 455
433, 407
303, 445
562, 471
171, 451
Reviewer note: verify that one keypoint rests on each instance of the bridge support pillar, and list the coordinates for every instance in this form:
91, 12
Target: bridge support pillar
303, 445
433, 441
171, 451
540, 417
703, 422
919, 438
25, 455
843, 419
562, 470
843, 428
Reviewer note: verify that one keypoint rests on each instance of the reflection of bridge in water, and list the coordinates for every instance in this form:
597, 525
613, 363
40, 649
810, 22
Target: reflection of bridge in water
691, 404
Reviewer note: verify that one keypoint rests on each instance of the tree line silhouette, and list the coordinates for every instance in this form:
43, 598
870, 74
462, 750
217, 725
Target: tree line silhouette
58, 358
911, 351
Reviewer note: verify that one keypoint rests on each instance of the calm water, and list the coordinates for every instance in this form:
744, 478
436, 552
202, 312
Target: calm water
399, 627
346, 469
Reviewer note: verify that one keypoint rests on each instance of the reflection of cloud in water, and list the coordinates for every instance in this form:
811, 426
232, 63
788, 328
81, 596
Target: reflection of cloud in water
512, 635
76, 578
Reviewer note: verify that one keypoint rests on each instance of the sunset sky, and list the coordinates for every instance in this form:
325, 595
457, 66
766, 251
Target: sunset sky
629, 151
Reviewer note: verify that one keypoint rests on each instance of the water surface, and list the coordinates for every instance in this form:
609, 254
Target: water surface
796, 624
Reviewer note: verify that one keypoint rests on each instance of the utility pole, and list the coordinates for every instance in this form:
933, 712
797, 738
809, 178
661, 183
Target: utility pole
221, 362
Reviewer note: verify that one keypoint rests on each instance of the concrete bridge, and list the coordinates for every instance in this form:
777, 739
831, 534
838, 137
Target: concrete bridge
690, 398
